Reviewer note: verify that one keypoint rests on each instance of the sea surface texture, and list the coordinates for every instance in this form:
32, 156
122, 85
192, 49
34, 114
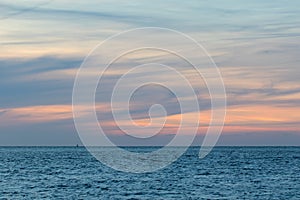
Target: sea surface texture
226, 173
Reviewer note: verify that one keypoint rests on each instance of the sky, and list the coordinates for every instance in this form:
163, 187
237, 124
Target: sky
255, 44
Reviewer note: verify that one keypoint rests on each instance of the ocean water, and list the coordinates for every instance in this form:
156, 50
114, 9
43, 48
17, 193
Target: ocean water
226, 173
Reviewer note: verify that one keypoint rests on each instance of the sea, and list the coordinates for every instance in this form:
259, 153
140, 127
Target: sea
226, 173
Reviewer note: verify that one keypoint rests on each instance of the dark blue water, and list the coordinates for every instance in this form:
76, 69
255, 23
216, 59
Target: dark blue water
226, 173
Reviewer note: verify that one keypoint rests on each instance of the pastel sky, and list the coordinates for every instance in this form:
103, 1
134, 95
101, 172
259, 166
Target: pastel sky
256, 45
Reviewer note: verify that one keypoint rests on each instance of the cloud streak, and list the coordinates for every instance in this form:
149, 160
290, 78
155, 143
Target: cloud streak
255, 44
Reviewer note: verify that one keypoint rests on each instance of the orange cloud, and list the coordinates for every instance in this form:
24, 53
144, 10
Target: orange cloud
246, 118
39, 114
35, 114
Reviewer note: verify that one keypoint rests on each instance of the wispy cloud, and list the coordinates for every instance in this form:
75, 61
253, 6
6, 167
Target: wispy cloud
255, 44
